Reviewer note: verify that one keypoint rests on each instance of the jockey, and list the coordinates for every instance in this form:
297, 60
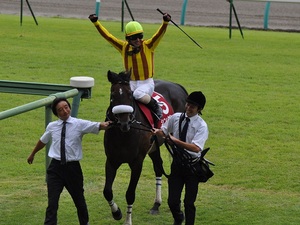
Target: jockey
138, 57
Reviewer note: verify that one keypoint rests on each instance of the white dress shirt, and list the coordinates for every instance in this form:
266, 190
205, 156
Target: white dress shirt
75, 129
197, 132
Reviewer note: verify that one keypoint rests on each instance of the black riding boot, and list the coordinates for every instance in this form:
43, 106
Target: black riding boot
155, 108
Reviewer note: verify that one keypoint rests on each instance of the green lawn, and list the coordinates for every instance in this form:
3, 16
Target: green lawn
252, 87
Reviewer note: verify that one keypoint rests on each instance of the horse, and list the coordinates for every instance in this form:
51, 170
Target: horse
129, 139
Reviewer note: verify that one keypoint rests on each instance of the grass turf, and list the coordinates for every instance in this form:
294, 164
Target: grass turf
252, 89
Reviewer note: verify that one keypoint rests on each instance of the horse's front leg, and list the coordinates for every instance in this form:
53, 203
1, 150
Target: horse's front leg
110, 174
136, 169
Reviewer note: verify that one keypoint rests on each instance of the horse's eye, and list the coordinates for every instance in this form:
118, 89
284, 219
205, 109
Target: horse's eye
111, 97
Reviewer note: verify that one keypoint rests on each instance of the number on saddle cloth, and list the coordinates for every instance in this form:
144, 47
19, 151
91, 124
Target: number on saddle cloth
162, 102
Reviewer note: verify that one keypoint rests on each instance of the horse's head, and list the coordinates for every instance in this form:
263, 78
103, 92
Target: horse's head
121, 99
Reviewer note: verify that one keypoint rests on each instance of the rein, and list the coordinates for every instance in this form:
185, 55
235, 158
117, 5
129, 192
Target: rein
116, 124
149, 129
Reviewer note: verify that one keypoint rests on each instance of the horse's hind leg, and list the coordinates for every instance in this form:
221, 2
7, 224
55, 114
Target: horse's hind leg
110, 174
158, 200
158, 169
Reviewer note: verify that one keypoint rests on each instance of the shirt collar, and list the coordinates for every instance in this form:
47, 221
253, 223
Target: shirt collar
191, 118
69, 120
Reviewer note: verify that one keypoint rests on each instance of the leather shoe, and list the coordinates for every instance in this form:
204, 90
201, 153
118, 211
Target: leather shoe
177, 222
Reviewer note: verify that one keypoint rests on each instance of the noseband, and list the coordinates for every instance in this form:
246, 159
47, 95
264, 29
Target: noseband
114, 112
122, 109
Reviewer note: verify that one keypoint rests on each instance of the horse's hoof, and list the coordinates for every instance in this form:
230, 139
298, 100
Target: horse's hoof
155, 209
117, 215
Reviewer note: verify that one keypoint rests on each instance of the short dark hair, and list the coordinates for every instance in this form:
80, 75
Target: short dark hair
56, 101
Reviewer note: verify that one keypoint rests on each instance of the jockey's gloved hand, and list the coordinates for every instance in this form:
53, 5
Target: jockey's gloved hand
93, 18
167, 17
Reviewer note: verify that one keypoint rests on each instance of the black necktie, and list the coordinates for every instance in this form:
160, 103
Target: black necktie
62, 144
182, 135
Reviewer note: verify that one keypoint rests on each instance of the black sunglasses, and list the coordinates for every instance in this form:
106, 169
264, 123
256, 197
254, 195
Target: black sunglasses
135, 36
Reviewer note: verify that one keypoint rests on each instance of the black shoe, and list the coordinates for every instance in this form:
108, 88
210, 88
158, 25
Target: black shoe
177, 223
180, 221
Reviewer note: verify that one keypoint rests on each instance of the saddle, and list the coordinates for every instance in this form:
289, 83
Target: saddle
165, 106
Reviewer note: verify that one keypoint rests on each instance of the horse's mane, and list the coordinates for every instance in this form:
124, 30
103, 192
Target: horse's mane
122, 77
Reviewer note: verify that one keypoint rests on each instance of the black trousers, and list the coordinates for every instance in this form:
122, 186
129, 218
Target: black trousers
69, 176
182, 177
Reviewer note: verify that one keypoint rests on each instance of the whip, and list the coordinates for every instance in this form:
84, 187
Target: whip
180, 29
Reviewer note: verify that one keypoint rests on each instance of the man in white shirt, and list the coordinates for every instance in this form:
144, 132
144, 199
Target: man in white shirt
192, 141
64, 169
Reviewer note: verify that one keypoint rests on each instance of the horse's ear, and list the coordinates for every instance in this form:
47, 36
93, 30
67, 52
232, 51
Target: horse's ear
129, 71
128, 74
124, 76
111, 76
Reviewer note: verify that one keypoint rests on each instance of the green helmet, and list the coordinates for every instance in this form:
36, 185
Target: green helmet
133, 28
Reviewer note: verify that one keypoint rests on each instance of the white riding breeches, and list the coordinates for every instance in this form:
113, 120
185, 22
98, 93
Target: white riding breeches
141, 88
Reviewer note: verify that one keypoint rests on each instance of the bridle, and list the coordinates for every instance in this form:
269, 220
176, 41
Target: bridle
132, 122
128, 109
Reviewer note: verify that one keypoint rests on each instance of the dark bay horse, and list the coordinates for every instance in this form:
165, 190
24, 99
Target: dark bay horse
128, 140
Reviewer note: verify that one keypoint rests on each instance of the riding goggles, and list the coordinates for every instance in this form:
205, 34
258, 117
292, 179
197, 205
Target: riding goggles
135, 36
